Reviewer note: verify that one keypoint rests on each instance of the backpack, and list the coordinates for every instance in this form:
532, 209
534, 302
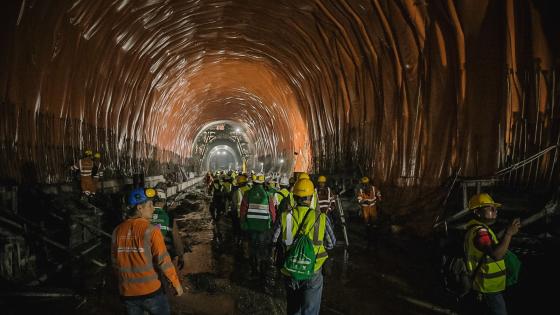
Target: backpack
300, 258
455, 277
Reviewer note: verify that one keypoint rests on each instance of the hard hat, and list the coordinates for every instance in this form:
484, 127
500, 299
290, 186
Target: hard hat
303, 176
284, 181
322, 179
97, 155
364, 180
241, 179
88, 152
259, 178
304, 188
253, 177
140, 196
482, 200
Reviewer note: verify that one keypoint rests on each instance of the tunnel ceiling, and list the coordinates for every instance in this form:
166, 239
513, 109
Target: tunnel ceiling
408, 92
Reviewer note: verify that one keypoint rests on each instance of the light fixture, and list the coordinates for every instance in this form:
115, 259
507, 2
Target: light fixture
281, 160
237, 130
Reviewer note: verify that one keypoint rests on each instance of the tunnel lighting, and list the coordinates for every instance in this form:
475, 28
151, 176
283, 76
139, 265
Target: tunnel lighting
237, 130
281, 160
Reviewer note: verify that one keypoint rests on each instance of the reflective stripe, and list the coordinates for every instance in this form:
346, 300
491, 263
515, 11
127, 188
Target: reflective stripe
166, 266
253, 206
317, 243
322, 255
316, 226
148, 245
257, 210
258, 216
493, 275
289, 226
140, 280
130, 250
162, 257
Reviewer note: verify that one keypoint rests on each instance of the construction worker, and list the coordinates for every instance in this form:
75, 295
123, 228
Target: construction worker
168, 227
208, 182
97, 170
85, 166
269, 186
485, 254
325, 197
284, 190
227, 187
217, 197
368, 196
237, 198
135, 248
304, 296
257, 215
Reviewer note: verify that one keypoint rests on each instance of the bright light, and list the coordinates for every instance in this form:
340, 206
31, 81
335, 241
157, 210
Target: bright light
262, 163
281, 160
237, 130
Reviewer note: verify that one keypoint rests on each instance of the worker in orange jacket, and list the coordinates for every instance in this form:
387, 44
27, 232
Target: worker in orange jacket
137, 250
368, 196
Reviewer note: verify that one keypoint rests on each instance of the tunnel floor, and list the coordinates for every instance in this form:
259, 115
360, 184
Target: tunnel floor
397, 275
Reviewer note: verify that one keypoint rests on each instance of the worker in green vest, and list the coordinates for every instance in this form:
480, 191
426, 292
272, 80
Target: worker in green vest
485, 254
257, 216
168, 226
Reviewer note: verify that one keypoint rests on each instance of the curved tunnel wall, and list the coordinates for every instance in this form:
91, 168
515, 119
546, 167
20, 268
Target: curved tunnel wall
408, 92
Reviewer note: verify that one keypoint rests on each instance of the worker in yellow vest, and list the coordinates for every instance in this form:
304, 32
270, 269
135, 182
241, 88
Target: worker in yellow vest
304, 293
237, 198
485, 254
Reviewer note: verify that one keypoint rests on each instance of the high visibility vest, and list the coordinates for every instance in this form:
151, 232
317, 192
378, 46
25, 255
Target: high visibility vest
136, 246
281, 194
238, 197
86, 166
97, 170
160, 218
258, 214
491, 275
227, 187
272, 194
325, 198
314, 228
369, 195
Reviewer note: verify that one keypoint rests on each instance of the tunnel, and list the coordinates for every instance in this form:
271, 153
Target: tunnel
431, 101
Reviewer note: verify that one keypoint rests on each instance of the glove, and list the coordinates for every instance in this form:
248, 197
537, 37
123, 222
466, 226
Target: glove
180, 262
179, 290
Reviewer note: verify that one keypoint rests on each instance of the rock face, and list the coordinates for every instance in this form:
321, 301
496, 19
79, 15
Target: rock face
408, 92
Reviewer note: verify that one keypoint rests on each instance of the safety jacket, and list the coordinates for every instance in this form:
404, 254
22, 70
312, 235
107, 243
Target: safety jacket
325, 198
238, 197
314, 227
85, 166
226, 188
491, 274
135, 248
160, 218
368, 195
281, 194
257, 208
97, 170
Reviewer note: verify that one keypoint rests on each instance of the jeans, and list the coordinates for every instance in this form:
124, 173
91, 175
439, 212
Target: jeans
495, 303
155, 305
304, 297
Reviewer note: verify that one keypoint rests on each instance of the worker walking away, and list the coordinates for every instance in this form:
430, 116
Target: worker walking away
138, 252
227, 187
368, 196
97, 170
236, 208
257, 218
306, 234
270, 187
485, 255
165, 220
217, 197
283, 192
85, 166
208, 182
325, 198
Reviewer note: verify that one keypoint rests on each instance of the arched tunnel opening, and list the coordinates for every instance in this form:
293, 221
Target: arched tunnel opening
409, 111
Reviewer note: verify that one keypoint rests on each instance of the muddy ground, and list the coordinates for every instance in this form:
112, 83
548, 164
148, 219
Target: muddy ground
398, 275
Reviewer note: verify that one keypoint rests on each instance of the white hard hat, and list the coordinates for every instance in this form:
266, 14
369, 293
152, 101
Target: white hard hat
285, 181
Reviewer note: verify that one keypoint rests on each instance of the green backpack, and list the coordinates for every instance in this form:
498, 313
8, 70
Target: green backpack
300, 258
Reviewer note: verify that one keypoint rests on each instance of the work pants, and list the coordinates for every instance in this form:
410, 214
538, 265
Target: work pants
304, 296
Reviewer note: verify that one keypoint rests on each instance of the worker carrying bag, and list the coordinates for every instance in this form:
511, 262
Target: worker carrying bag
300, 258
513, 265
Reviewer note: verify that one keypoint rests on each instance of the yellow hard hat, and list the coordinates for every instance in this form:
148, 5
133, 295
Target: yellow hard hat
88, 152
259, 179
322, 179
303, 176
241, 179
364, 180
253, 177
97, 155
482, 200
304, 188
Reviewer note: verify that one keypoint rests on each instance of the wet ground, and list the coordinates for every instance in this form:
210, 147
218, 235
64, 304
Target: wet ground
398, 275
